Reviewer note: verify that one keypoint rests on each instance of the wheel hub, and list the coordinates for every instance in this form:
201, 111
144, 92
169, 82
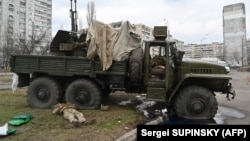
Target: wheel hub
197, 107
43, 94
82, 97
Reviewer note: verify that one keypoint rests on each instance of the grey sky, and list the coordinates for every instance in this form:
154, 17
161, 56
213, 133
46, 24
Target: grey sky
188, 20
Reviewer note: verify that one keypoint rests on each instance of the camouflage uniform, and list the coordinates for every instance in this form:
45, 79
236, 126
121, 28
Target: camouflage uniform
69, 112
158, 61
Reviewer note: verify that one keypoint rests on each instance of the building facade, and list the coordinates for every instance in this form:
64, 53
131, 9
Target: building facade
144, 31
234, 33
22, 21
213, 50
248, 51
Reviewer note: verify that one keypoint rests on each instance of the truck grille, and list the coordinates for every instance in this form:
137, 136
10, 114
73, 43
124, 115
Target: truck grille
201, 70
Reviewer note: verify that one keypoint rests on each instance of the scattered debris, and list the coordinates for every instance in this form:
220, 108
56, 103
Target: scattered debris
143, 104
5, 131
141, 108
20, 119
126, 128
126, 102
104, 107
15, 121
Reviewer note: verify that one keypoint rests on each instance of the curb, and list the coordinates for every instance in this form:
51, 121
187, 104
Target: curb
131, 136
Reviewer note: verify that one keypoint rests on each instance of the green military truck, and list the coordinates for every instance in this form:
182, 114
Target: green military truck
157, 70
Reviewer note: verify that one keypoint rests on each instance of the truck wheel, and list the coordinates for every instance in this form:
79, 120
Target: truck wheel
135, 65
195, 102
84, 93
43, 92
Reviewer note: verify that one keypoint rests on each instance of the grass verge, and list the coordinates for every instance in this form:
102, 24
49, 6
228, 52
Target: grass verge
45, 126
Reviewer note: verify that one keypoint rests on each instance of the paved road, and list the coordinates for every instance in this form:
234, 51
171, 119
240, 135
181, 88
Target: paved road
240, 112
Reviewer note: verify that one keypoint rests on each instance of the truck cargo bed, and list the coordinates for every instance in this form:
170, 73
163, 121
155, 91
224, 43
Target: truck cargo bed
63, 65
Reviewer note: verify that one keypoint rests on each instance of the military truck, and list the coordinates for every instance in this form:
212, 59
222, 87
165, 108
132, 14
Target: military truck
157, 69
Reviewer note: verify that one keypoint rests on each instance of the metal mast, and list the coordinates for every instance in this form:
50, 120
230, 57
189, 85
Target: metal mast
73, 16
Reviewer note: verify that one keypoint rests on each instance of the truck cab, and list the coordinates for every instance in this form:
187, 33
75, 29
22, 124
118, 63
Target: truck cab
189, 86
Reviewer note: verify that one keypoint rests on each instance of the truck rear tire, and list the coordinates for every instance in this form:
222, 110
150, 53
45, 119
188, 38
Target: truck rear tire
43, 92
84, 93
196, 102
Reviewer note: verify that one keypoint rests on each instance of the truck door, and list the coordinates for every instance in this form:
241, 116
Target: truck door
156, 71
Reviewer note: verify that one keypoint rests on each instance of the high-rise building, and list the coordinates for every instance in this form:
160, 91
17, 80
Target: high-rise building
234, 32
248, 51
22, 21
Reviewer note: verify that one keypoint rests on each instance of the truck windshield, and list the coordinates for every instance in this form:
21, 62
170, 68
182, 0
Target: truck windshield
157, 51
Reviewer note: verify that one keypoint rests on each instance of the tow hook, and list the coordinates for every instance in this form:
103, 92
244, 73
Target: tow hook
230, 92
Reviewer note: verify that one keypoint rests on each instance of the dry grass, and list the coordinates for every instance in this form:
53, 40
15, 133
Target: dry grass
45, 126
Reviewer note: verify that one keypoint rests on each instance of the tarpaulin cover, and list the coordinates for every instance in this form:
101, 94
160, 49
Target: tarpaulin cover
110, 44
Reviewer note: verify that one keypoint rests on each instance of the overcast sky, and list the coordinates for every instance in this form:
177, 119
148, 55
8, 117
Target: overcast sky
191, 21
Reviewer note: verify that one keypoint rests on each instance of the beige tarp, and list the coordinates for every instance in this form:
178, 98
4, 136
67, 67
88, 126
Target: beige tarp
110, 44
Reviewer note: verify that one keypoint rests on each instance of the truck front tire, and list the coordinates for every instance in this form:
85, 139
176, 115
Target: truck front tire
84, 93
196, 102
43, 92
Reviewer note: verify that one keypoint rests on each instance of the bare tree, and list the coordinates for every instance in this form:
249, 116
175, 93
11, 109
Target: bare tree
9, 44
18, 44
7, 50
36, 41
91, 13
26, 46
45, 49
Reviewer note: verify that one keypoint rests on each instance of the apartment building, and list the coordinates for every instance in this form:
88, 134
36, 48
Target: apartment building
22, 21
144, 31
213, 50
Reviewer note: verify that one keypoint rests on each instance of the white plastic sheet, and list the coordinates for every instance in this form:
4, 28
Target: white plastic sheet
4, 129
